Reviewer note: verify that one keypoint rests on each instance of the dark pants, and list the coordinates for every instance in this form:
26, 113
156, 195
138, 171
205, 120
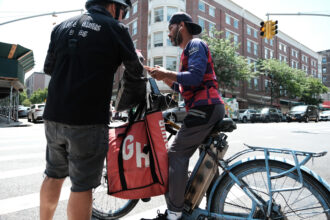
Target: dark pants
193, 132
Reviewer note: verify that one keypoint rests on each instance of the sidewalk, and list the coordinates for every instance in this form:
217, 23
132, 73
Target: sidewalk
4, 123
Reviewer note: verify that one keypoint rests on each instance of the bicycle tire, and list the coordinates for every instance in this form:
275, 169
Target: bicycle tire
106, 207
230, 199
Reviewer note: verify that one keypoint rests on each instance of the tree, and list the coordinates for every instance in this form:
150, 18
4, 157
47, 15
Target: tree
312, 89
229, 67
39, 96
22, 97
293, 81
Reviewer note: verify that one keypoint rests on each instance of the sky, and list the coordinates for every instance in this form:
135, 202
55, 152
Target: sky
312, 31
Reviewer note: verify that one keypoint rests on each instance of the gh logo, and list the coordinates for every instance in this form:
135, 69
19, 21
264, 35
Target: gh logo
128, 151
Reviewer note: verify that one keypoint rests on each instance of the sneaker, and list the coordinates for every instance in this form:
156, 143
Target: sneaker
160, 216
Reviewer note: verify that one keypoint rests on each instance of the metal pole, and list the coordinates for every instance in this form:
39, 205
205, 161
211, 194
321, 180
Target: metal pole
34, 16
10, 106
299, 13
17, 103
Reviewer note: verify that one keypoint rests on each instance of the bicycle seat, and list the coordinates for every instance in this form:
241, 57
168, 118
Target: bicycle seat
225, 125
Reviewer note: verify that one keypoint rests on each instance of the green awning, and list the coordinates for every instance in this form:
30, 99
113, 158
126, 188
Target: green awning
15, 61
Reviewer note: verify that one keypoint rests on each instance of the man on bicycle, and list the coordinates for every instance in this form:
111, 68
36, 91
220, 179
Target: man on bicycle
83, 56
197, 83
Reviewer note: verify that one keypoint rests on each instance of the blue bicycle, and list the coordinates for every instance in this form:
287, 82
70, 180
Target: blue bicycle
257, 187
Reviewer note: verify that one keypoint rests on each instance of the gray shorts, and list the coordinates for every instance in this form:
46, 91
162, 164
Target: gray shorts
76, 151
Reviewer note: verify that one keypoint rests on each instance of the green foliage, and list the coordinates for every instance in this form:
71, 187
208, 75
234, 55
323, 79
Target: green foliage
22, 98
26, 102
228, 65
293, 81
39, 96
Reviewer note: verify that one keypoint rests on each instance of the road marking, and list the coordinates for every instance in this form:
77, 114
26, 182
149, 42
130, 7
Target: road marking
21, 172
22, 157
24, 147
19, 203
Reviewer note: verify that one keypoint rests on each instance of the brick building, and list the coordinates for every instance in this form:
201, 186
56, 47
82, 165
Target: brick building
36, 81
325, 66
148, 25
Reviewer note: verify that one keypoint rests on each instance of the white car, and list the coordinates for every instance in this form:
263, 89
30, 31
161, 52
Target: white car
325, 115
245, 115
36, 112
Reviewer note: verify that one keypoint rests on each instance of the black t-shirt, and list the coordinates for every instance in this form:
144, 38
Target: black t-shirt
81, 82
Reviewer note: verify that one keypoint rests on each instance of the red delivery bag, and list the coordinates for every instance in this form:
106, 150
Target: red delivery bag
137, 163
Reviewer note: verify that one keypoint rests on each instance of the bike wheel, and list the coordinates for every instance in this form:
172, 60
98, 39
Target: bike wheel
312, 201
109, 207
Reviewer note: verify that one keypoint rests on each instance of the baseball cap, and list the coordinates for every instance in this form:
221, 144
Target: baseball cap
186, 18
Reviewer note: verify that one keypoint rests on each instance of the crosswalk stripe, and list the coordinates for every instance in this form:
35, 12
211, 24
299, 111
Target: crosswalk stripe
19, 203
40, 146
20, 157
21, 172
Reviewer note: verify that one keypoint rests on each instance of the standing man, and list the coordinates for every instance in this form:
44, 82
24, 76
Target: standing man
83, 56
197, 83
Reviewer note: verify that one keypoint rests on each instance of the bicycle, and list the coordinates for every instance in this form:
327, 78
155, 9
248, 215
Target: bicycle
262, 187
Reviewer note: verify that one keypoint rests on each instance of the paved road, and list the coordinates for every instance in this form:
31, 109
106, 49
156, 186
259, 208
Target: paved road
22, 151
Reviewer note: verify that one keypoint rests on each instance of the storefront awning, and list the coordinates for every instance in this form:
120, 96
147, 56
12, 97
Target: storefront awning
15, 61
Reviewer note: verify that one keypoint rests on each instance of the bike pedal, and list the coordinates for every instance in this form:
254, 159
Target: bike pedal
146, 199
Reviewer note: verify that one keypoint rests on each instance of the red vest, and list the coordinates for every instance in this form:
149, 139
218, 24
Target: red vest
204, 94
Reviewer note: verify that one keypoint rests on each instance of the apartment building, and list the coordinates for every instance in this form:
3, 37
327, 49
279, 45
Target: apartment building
325, 67
148, 25
35, 81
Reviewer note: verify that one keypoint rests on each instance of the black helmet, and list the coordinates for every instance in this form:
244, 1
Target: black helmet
125, 3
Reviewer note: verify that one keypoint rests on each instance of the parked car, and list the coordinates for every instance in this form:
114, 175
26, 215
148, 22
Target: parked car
176, 114
245, 115
325, 115
303, 113
23, 111
36, 112
283, 116
267, 115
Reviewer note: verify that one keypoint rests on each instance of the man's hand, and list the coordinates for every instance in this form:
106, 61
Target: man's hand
160, 73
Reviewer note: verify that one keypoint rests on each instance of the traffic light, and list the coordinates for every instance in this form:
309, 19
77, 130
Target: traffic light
273, 28
263, 29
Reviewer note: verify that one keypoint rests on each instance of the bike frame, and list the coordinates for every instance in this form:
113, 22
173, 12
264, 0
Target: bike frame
257, 202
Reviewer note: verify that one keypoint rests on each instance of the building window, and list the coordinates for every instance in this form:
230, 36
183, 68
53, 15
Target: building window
324, 59
170, 12
235, 39
201, 22
159, 15
271, 42
266, 85
171, 63
158, 61
127, 15
227, 35
255, 51
158, 39
134, 43
256, 83
255, 33
134, 28
266, 40
235, 23
212, 11
271, 54
266, 53
294, 53
249, 46
134, 8
324, 70
149, 42
248, 30
168, 41
227, 19
201, 6
284, 48
149, 18
211, 29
